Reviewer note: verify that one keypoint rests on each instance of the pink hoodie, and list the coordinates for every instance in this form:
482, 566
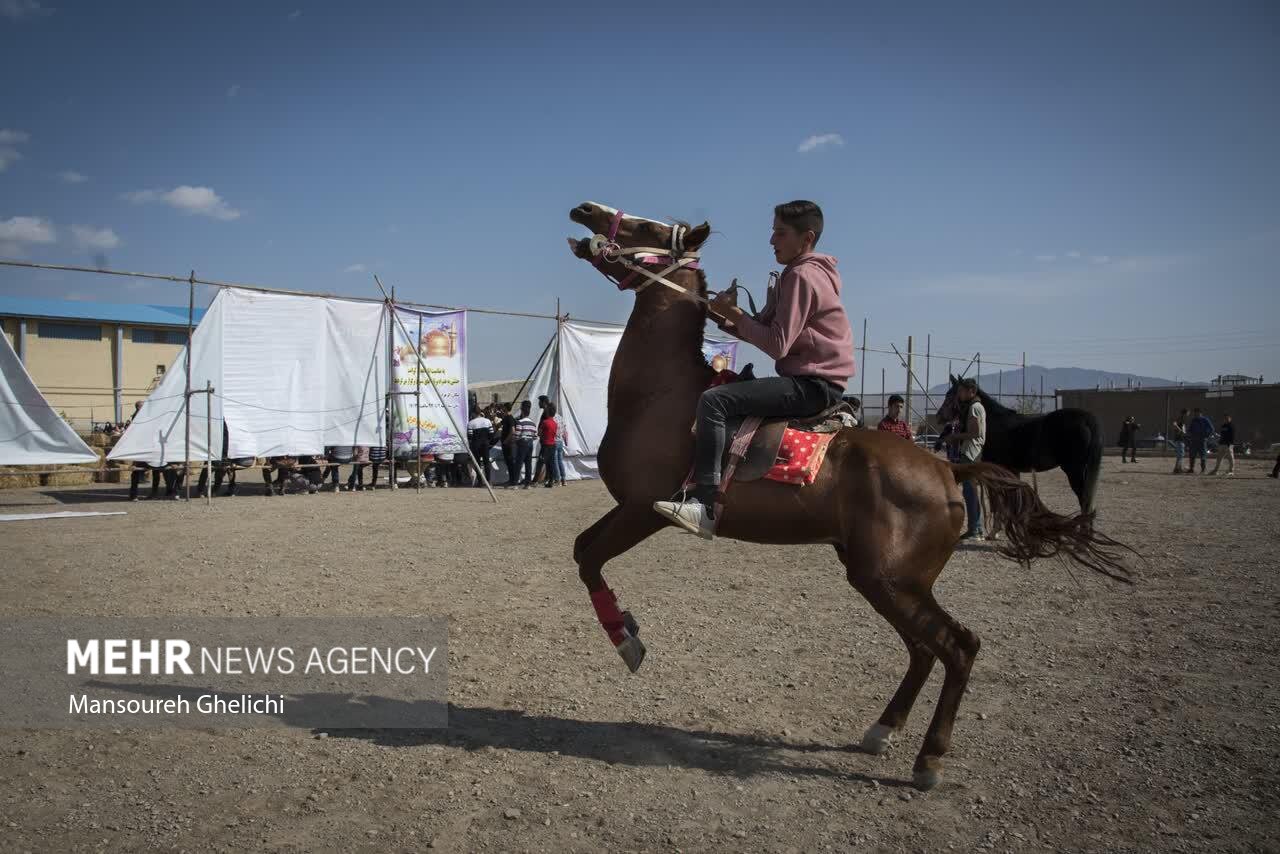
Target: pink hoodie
803, 325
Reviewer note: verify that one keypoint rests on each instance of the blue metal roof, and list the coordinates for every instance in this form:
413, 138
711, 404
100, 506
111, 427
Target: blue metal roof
107, 312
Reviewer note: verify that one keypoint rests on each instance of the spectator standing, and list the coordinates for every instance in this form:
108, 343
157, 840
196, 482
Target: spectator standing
892, 421
480, 438
1198, 433
378, 458
1129, 439
359, 460
526, 436
560, 447
547, 430
971, 440
1226, 447
1275, 472
1178, 437
507, 439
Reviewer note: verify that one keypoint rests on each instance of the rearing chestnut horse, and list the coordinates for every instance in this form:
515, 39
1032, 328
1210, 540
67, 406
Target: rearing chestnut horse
893, 512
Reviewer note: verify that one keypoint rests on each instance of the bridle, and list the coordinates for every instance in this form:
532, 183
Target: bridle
605, 248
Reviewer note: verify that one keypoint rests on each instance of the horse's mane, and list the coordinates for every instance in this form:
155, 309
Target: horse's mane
993, 405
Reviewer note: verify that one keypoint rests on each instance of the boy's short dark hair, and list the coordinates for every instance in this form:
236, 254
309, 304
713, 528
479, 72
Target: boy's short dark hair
803, 216
895, 398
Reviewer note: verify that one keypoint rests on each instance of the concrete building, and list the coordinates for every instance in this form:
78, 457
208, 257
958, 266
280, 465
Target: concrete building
1253, 406
91, 360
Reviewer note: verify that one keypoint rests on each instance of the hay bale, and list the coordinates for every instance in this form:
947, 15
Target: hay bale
16, 477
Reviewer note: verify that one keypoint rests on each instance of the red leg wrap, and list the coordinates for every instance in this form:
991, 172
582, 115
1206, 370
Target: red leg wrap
606, 605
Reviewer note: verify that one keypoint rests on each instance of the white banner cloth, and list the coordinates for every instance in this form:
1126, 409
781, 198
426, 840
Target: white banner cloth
31, 432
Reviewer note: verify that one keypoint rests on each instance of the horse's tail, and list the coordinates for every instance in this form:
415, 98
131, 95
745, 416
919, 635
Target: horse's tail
1034, 531
1092, 467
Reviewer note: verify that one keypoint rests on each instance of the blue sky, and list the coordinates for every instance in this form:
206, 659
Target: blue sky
1094, 184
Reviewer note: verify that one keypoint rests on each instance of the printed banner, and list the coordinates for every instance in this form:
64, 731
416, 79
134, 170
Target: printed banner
720, 355
419, 419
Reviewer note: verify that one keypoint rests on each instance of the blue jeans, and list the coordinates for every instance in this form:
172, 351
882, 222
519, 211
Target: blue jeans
560, 462
524, 461
972, 508
1179, 450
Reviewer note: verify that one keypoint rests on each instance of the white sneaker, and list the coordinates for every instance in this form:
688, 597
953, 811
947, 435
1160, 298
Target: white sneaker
690, 515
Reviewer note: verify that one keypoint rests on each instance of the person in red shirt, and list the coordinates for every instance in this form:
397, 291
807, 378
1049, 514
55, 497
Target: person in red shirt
547, 429
892, 421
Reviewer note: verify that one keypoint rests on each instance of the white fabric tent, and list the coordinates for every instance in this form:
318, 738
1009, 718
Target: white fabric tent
31, 432
291, 374
574, 373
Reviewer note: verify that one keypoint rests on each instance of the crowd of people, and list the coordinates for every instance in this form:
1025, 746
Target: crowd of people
530, 447
1192, 436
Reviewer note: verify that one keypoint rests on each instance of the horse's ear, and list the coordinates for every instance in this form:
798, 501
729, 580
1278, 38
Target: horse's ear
697, 235
952, 378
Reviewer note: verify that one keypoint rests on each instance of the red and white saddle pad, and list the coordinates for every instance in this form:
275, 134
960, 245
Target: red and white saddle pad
799, 457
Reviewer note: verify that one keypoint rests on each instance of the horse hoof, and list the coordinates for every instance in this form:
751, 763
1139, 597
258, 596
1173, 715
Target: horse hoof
926, 778
632, 652
877, 739
630, 624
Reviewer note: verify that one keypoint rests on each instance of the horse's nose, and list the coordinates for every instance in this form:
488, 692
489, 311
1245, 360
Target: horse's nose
584, 208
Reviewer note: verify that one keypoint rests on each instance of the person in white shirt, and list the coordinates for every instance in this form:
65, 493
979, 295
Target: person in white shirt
480, 438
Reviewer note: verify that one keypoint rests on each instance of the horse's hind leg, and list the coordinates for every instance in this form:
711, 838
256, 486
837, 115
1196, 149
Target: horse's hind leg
878, 736
920, 620
621, 529
957, 647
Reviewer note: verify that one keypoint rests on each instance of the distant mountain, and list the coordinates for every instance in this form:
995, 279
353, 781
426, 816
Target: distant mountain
1057, 378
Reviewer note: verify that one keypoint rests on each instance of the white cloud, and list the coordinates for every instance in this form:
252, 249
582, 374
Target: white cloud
233, 90
820, 141
295, 14
27, 229
190, 200
72, 177
1046, 259
1073, 254
8, 139
356, 268
88, 237
1100, 259
16, 10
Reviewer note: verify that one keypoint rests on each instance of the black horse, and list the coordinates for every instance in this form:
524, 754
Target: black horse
1069, 439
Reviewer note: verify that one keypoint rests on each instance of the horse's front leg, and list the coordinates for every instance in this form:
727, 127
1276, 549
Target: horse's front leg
618, 531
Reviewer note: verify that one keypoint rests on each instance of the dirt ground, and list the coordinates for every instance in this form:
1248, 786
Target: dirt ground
1099, 717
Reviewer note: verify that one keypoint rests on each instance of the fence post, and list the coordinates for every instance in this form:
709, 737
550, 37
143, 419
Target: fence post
910, 376
191, 311
862, 379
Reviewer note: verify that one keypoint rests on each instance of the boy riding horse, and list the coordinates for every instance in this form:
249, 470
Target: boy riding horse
803, 327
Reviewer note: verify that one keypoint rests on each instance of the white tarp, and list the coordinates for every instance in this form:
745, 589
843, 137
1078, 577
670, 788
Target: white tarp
31, 431
574, 374
291, 374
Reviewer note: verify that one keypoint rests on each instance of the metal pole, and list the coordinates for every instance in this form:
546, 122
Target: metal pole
391, 401
1000, 387
1024, 373
452, 422
928, 350
208, 429
978, 359
417, 402
882, 393
910, 377
191, 312
862, 381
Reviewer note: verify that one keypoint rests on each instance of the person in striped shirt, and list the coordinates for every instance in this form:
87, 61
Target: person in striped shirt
526, 436
892, 421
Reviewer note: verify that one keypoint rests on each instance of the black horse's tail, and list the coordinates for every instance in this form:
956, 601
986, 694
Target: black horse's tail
1092, 467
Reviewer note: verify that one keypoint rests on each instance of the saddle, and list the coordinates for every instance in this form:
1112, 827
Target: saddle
757, 441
